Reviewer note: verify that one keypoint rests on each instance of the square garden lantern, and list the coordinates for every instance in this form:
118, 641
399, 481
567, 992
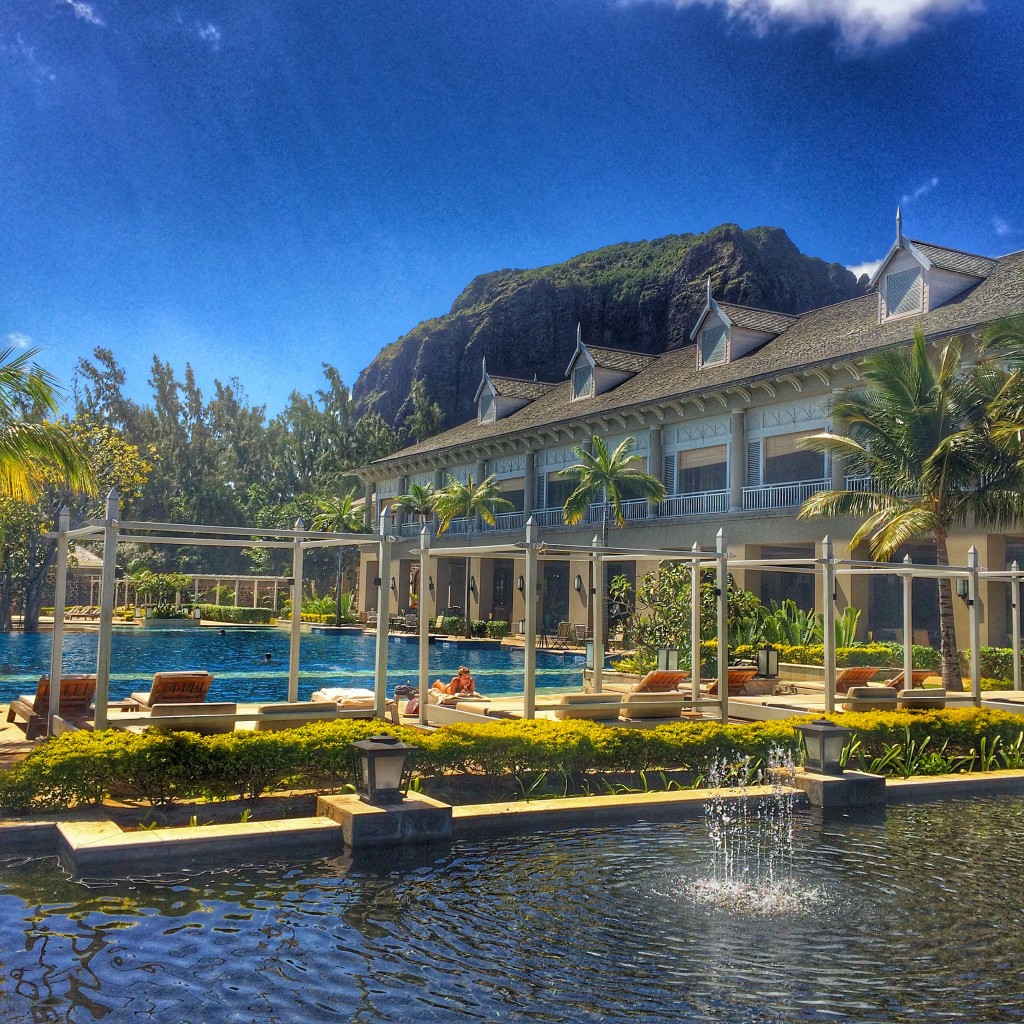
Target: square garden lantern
768, 662
382, 769
824, 744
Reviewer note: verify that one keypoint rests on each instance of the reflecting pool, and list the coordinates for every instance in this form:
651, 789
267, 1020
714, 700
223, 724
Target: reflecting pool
237, 659
917, 917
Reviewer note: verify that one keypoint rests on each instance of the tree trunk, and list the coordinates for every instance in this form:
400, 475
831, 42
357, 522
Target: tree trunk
952, 678
465, 609
337, 596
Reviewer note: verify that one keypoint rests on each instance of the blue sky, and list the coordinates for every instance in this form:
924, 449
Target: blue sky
257, 186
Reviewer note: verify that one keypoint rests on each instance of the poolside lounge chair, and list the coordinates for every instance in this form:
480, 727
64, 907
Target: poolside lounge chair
564, 636
590, 706
917, 678
933, 699
870, 698
657, 681
189, 687
855, 675
76, 694
202, 718
737, 681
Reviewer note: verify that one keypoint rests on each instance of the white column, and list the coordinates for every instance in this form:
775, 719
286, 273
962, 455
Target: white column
695, 622
723, 623
236, 591
597, 613
530, 640
1015, 615
195, 591
425, 616
380, 670
974, 616
828, 597
654, 464
908, 625
106, 612
59, 600
737, 459
255, 593
296, 628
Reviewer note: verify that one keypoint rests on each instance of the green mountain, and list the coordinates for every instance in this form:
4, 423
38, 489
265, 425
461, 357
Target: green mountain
643, 296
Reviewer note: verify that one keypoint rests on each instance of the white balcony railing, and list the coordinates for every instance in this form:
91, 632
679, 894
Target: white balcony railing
860, 483
414, 529
460, 525
787, 495
701, 504
506, 521
548, 516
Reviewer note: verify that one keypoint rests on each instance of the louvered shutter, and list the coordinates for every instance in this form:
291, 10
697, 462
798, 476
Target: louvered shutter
754, 463
541, 493
668, 473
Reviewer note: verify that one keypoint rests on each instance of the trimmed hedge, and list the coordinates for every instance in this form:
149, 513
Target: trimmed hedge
230, 613
884, 655
83, 768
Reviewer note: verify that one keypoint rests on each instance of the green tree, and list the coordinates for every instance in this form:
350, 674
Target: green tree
426, 417
418, 500
467, 500
611, 478
340, 514
921, 427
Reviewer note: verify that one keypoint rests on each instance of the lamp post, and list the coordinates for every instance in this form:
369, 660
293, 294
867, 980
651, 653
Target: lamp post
381, 768
768, 662
668, 659
824, 743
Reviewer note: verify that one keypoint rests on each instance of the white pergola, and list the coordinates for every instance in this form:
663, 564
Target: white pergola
110, 531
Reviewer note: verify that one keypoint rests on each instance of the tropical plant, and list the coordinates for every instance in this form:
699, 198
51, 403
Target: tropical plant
457, 500
28, 449
340, 514
787, 624
608, 477
418, 500
922, 429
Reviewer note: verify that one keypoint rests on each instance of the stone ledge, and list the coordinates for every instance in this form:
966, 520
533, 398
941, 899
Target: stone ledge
945, 787
417, 819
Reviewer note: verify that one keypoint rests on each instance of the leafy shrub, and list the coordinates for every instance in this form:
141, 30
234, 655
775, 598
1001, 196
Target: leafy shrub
169, 611
229, 613
453, 625
497, 630
996, 662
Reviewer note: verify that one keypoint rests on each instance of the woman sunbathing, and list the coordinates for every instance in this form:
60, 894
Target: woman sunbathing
462, 685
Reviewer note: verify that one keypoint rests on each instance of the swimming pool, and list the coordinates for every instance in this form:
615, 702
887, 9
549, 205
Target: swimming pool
917, 918
241, 673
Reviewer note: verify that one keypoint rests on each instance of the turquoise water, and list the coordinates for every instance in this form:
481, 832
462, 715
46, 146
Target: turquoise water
241, 672
916, 918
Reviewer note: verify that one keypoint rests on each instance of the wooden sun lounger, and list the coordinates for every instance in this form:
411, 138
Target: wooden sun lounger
188, 687
76, 694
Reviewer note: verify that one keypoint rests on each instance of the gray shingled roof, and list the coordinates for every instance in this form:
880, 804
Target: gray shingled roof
818, 338
955, 260
620, 359
752, 319
513, 387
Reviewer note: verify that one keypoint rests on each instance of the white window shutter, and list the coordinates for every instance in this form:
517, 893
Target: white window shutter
754, 463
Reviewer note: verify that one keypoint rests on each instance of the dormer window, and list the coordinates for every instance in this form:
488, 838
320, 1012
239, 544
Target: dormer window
904, 292
712, 344
582, 380
487, 407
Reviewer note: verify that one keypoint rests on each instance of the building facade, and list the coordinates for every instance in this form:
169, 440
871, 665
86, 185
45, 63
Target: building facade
720, 421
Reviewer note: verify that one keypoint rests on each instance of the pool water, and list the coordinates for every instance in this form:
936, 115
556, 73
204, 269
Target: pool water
914, 918
241, 672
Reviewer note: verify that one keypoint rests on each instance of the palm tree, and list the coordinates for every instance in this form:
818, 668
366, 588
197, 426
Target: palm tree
923, 428
340, 514
456, 500
30, 452
610, 477
419, 500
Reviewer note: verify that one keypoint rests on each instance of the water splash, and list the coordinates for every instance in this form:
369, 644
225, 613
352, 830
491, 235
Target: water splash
751, 834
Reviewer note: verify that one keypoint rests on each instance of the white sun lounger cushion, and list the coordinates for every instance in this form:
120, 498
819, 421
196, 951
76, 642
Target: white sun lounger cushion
345, 696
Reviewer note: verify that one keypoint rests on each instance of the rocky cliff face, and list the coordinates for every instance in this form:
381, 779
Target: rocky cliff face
643, 296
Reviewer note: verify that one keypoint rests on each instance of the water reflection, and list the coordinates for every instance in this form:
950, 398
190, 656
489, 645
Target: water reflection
917, 920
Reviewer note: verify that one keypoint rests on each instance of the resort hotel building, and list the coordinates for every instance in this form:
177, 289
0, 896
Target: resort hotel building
719, 419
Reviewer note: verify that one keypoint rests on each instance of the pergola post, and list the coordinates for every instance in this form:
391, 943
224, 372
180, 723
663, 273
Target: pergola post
107, 579
296, 626
1015, 617
974, 616
255, 593
380, 670
828, 592
59, 600
530, 640
723, 623
695, 658
425, 616
908, 625
597, 614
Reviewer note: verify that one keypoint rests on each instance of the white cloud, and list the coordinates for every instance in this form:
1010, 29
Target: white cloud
864, 268
20, 51
1002, 227
16, 340
85, 12
210, 34
921, 190
860, 22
